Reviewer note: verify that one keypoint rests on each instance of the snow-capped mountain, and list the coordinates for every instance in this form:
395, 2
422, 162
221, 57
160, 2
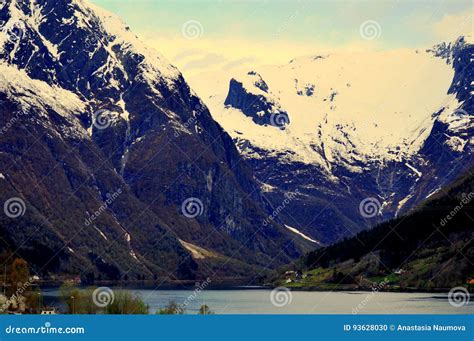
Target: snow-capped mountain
117, 166
392, 127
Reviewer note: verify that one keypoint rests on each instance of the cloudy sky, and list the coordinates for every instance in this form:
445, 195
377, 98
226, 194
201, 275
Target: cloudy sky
210, 35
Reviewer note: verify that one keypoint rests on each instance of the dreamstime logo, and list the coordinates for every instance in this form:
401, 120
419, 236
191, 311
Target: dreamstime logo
288, 199
192, 29
192, 207
102, 208
370, 30
12, 122
14, 207
101, 119
375, 289
15, 31
103, 296
199, 288
281, 297
93, 40
460, 112
466, 199
279, 120
458, 296
369, 207
192, 120
17, 299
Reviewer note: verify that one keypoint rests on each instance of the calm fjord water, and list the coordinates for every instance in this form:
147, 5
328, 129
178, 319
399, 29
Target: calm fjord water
258, 301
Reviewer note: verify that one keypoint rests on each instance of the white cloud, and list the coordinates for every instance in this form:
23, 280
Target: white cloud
452, 26
207, 61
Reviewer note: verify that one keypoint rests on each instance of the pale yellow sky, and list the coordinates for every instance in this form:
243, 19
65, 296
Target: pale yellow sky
203, 36
205, 54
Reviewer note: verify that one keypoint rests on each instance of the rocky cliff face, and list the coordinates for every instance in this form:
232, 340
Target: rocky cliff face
118, 165
363, 139
260, 105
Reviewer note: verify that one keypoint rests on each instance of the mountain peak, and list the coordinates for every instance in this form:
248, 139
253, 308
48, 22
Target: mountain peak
106, 115
40, 33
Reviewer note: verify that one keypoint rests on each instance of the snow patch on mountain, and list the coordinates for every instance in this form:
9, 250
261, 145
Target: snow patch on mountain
19, 87
345, 108
292, 229
433, 192
197, 252
153, 63
416, 171
16, 27
403, 202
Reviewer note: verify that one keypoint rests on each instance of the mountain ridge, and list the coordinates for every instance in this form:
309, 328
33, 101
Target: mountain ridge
353, 129
131, 123
429, 248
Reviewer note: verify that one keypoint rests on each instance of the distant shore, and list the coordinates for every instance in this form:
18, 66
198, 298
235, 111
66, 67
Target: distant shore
369, 289
216, 284
190, 285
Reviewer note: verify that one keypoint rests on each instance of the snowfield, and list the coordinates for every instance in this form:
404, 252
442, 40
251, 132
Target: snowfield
343, 107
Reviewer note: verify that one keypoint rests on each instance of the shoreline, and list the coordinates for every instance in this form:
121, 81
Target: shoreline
236, 287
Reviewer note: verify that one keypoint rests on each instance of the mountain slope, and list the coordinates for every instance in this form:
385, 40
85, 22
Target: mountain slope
389, 128
430, 248
90, 111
